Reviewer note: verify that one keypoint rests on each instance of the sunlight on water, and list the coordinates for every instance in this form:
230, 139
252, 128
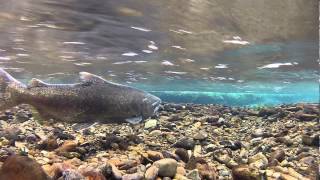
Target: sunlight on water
246, 55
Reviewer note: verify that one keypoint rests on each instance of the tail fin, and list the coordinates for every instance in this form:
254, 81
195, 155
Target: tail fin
6, 81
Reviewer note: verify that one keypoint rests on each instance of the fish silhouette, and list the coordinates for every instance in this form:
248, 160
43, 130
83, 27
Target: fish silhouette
93, 99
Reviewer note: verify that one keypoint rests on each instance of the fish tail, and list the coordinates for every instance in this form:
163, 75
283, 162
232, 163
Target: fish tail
8, 86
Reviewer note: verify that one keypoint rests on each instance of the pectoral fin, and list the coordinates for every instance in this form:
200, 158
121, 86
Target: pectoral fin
134, 120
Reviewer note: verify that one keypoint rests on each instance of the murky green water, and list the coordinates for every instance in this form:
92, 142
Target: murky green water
235, 52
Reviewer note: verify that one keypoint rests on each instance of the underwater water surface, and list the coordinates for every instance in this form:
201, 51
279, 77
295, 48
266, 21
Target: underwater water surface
240, 53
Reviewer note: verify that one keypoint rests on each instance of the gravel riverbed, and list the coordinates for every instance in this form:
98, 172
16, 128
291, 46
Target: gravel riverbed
186, 141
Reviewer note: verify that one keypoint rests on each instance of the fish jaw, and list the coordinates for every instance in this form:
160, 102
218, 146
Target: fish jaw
151, 105
156, 106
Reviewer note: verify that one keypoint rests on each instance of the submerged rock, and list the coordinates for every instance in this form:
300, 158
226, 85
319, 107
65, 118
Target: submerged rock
150, 124
151, 173
310, 140
49, 144
186, 143
259, 161
22, 167
244, 172
183, 154
167, 167
110, 171
278, 155
194, 175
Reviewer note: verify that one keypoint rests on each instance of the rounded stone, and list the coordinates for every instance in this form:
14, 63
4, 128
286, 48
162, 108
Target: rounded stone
167, 167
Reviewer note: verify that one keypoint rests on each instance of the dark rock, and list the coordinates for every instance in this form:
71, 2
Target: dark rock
170, 126
232, 145
21, 116
8, 113
212, 119
174, 118
86, 132
267, 112
12, 133
48, 144
311, 109
134, 139
183, 154
186, 143
59, 133
167, 154
113, 139
111, 172
32, 138
278, 155
306, 117
310, 140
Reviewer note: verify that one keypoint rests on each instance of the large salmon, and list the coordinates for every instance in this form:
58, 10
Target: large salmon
92, 99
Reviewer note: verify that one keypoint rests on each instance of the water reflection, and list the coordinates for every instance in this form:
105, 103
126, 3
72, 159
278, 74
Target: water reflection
150, 41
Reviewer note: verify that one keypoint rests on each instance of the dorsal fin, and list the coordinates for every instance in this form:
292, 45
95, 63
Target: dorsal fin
88, 77
37, 83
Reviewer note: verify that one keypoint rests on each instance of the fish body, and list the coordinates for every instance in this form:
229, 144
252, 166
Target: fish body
93, 99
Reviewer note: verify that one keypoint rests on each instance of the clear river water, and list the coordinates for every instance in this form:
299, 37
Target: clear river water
235, 52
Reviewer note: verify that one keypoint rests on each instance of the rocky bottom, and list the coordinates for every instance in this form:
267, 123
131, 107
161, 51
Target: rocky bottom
186, 141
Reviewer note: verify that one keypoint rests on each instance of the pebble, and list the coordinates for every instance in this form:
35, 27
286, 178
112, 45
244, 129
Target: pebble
278, 155
67, 146
310, 140
22, 116
181, 170
194, 175
244, 172
133, 176
48, 144
202, 135
167, 167
154, 155
111, 171
207, 172
186, 143
183, 154
259, 160
155, 133
151, 173
150, 124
